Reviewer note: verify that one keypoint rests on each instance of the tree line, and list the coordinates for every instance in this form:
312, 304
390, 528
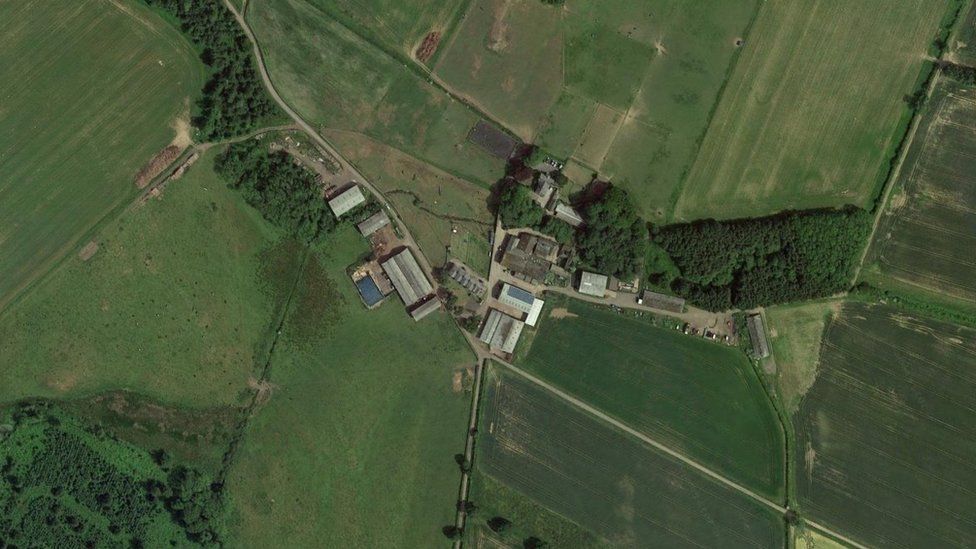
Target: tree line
234, 100
746, 263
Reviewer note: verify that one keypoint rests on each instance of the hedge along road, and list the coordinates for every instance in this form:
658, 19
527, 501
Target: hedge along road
408, 238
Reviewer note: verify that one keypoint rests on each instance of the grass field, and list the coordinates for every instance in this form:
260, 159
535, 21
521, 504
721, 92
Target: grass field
181, 323
355, 447
926, 237
698, 397
886, 438
396, 25
623, 87
80, 115
810, 539
432, 203
336, 79
795, 334
583, 469
962, 46
791, 131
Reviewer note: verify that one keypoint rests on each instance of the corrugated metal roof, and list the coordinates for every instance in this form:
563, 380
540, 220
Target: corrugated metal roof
347, 200
593, 284
374, 223
407, 277
516, 297
428, 307
534, 313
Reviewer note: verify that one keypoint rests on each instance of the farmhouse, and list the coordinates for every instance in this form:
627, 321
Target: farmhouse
522, 300
663, 301
528, 256
407, 277
592, 284
545, 190
567, 213
346, 200
501, 332
425, 308
760, 347
374, 223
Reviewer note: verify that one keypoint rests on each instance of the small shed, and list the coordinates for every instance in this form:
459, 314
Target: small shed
346, 200
757, 333
593, 284
425, 308
567, 213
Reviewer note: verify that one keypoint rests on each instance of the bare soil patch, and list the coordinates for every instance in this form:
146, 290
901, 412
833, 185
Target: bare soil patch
156, 165
498, 34
562, 312
88, 251
427, 48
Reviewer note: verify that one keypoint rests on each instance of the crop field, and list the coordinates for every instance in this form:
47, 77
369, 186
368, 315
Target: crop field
698, 397
81, 114
606, 481
338, 80
432, 203
396, 25
623, 87
886, 438
927, 236
355, 444
962, 47
795, 334
149, 313
791, 131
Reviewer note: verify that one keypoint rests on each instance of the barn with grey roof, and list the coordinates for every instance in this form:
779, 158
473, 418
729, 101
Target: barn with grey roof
407, 277
501, 331
374, 223
346, 200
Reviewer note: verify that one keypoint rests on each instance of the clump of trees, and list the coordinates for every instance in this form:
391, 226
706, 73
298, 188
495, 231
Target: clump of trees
960, 73
234, 100
746, 263
614, 240
285, 193
516, 208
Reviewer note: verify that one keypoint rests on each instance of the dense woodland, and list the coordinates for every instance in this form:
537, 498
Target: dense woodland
234, 100
284, 192
746, 263
960, 73
66, 484
614, 241
516, 208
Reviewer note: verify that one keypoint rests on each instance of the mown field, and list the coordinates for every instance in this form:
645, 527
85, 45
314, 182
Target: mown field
928, 233
625, 492
355, 445
962, 46
886, 438
336, 79
700, 398
81, 114
795, 334
624, 88
813, 109
431, 202
184, 324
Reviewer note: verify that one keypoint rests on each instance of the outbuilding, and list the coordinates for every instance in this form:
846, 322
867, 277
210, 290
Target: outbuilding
407, 277
593, 284
501, 332
374, 223
346, 200
757, 333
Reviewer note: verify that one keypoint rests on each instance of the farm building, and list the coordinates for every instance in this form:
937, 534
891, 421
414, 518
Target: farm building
425, 308
374, 223
760, 347
522, 300
545, 190
567, 213
369, 291
663, 301
593, 284
407, 277
528, 256
346, 200
470, 281
501, 331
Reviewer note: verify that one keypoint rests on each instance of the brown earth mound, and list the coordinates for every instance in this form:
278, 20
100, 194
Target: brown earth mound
427, 48
156, 165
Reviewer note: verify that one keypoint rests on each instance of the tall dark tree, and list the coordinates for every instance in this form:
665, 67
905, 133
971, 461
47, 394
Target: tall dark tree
615, 239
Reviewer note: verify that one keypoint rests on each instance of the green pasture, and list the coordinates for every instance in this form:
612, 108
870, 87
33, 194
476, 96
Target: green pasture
795, 334
886, 437
623, 87
91, 91
338, 80
397, 26
699, 397
177, 303
925, 239
355, 446
814, 108
575, 465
